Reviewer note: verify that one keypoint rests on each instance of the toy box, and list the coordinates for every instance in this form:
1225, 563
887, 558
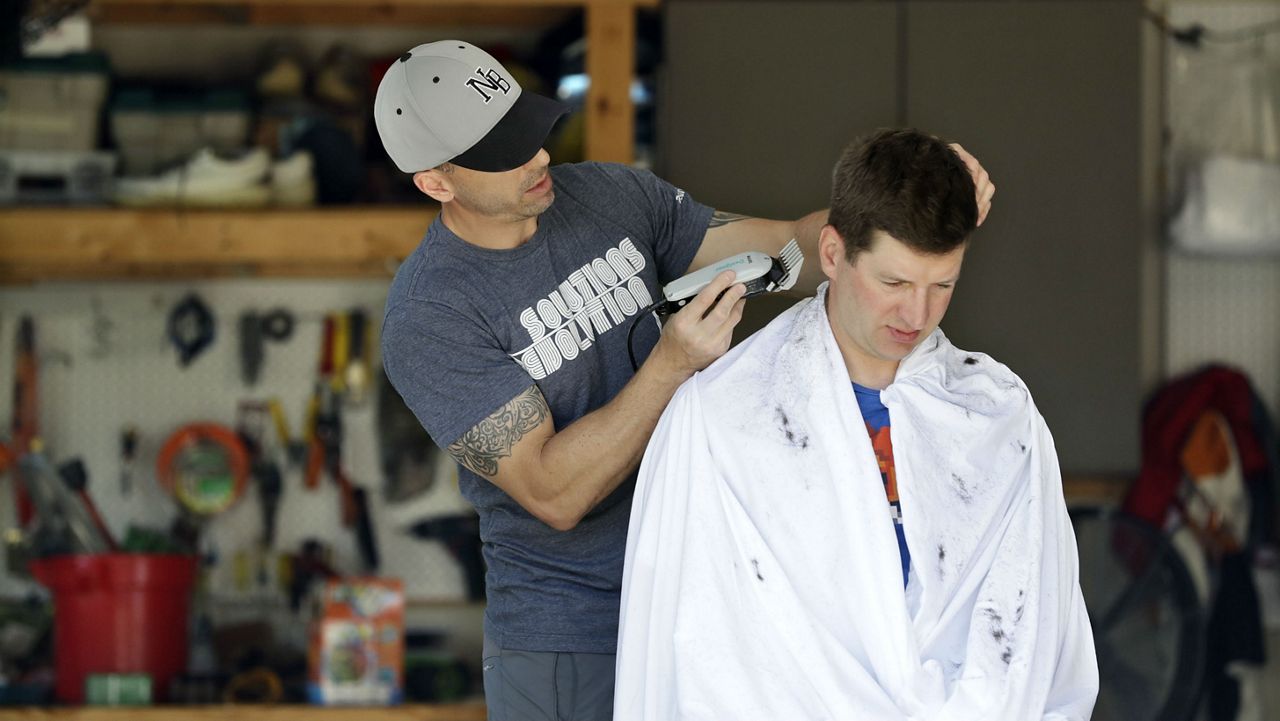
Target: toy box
357, 645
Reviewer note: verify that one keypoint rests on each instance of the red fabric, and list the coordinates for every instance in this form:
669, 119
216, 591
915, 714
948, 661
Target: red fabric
883, 446
1167, 423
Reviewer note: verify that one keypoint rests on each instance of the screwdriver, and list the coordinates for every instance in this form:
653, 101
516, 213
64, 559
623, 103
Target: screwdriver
128, 452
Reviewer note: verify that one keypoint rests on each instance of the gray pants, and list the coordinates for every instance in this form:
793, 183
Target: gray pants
543, 686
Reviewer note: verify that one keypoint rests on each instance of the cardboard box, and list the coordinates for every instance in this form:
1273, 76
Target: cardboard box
357, 645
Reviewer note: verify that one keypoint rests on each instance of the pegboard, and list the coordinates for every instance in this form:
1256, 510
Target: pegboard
1225, 311
105, 364
1222, 309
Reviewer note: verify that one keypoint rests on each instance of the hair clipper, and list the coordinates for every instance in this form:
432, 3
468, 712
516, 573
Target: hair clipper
758, 271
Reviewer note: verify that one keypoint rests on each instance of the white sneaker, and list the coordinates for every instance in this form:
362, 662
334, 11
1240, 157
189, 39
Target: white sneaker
293, 183
206, 180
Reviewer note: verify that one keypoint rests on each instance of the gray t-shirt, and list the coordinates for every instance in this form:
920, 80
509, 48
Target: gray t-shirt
467, 329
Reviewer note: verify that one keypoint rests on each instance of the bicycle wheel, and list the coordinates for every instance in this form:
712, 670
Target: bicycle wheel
1148, 621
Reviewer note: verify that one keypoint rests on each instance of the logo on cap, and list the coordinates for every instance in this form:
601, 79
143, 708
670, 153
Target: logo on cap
489, 80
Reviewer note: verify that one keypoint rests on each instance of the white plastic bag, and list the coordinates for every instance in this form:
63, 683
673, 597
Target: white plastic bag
1231, 207
1225, 148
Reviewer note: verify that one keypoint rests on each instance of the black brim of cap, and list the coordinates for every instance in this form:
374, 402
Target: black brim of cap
516, 138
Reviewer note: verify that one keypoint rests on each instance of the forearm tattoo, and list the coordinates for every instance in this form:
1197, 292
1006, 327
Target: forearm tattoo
480, 448
719, 218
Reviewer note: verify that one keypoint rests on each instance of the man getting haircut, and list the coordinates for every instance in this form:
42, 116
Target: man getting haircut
846, 517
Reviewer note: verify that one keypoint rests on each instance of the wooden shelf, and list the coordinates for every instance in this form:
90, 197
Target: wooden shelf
45, 243
412, 712
1094, 489
105, 243
453, 13
40, 244
320, 5
610, 35
456, 13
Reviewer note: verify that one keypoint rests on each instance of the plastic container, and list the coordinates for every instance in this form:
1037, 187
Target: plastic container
53, 103
117, 613
51, 176
155, 128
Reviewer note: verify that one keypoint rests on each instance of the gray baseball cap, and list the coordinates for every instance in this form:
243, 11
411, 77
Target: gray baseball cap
450, 101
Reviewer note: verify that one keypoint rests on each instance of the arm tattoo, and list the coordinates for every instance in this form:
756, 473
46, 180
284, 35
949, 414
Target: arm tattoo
492, 438
719, 218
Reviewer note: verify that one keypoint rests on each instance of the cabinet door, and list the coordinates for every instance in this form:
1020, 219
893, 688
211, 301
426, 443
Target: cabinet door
1048, 96
758, 98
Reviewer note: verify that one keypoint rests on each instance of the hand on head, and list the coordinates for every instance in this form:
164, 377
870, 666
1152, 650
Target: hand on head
984, 189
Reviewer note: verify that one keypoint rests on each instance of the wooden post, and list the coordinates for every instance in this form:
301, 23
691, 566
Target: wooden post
611, 42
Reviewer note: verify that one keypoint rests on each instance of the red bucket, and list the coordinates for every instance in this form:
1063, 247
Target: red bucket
118, 613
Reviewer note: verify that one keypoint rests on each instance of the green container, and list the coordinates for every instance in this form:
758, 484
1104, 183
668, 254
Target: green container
117, 689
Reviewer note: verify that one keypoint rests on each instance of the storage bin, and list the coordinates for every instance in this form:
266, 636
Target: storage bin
154, 128
53, 103
117, 613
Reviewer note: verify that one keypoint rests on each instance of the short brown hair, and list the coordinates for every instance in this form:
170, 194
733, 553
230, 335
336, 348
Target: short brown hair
908, 184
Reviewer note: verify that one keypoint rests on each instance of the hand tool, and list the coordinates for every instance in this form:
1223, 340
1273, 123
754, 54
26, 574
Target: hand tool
461, 535
270, 487
366, 538
251, 351
251, 424
190, 328
339, 348
757, 271
128, 453
310, 564
63, 523
316, 452
409, 458
295, 448
277, 324
101, 327
76, 477
205, 466
324, 454
255, 330
326, 346
357, 372
26, 411
329, 437
322, 422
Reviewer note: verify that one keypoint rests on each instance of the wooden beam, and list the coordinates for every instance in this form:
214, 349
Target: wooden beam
439, 4
18, 275
320, 13
398, 14
611, 42
44, 243
407, 712
1095, 490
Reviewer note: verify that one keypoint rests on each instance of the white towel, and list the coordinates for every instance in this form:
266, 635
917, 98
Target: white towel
763, 578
